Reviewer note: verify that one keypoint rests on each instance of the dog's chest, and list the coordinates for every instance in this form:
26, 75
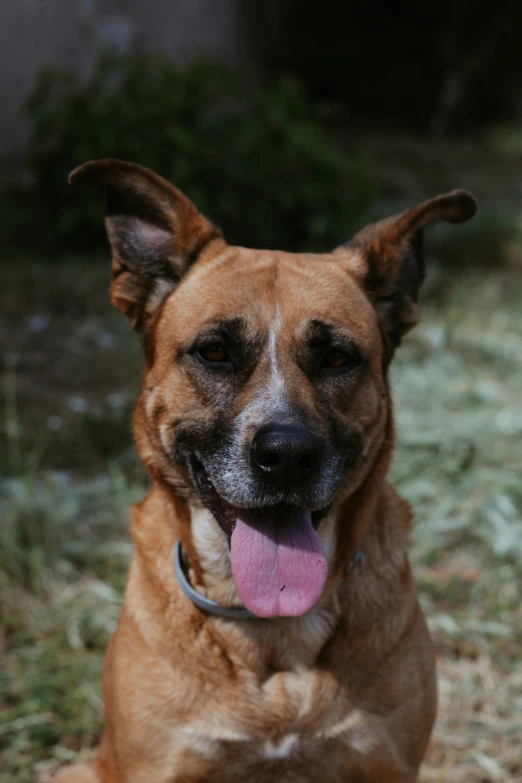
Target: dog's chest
297, 724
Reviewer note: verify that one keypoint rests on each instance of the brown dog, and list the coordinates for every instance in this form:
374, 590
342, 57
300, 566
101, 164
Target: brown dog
265, 422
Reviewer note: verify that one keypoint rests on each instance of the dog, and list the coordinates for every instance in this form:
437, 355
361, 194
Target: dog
270, 629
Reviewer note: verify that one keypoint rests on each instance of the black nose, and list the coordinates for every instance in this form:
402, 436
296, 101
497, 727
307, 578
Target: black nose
285, 455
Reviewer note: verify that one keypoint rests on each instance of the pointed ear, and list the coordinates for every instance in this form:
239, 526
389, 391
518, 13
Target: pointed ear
388, 258
155, 234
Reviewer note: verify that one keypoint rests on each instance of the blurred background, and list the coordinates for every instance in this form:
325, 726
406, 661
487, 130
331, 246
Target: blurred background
290, 124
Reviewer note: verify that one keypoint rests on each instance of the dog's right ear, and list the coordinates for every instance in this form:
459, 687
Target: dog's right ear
155, 233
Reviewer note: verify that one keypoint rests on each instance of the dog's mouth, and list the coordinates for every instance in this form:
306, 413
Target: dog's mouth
278, 561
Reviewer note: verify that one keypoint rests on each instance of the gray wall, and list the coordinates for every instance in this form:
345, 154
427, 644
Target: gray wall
69, 33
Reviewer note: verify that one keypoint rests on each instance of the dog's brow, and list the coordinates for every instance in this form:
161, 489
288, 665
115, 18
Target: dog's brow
327, 332
228, 327
236, 332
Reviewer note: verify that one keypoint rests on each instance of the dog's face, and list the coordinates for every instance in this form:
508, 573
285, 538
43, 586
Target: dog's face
265, 393
267, 380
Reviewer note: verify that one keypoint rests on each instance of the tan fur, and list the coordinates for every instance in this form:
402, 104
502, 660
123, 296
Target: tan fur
343, 693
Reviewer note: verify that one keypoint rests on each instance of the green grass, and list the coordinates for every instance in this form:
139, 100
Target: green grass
69, 372
458, 392
69, 474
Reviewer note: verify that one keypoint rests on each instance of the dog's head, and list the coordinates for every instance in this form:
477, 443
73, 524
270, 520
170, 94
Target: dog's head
265, 393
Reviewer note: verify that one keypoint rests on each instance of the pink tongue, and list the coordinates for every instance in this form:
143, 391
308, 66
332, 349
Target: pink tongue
278, 563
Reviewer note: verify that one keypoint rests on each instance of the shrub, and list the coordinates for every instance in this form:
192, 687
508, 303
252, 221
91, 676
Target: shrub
252, 158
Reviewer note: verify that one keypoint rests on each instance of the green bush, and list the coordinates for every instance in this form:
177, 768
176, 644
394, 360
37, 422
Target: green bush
252, 158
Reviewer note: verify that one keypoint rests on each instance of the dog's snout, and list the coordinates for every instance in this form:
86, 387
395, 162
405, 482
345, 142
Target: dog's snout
285, 455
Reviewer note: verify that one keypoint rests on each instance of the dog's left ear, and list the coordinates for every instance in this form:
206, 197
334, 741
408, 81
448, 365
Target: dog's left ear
387, 258
155, 232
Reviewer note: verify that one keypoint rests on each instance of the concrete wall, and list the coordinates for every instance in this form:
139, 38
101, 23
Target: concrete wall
69, 33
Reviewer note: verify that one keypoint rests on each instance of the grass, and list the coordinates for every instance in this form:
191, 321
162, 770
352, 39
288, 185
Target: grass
69, 473
459, 413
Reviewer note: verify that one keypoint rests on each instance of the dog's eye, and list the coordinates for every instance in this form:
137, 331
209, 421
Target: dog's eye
214, 353
341, 360
337, 358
